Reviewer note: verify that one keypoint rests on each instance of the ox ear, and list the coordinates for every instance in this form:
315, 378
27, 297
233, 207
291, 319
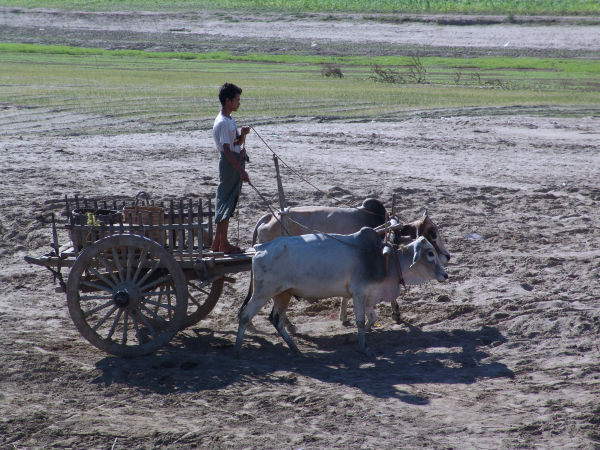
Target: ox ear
418, 247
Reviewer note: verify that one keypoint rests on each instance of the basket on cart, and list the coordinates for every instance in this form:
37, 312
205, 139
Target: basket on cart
144, 213
94, 218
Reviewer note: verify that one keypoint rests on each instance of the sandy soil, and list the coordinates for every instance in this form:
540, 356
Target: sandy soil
505, 354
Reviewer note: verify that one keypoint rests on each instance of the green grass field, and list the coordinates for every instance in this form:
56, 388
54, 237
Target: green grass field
526, 7
175, 90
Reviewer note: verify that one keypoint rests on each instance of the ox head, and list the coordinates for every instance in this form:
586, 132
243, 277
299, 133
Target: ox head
426, 264
428, 229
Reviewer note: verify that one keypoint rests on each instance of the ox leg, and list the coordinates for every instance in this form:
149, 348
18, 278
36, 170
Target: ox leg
246, 314
277, 318
371, 318
288, 324
359, 313
344, 311
395, 311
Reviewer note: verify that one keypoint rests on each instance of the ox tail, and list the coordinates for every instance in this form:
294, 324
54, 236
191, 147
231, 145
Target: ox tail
264, 219
249, 295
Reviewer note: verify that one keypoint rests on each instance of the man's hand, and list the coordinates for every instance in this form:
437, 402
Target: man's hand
244, 130
244, 176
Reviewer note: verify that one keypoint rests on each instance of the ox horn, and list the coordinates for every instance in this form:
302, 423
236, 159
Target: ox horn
425, 213
417, 254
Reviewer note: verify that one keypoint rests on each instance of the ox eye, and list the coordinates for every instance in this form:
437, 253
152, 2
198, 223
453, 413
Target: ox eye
430, 254
433, 235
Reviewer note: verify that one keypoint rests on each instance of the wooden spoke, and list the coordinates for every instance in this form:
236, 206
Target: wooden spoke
117, 262
159, 293
114, 324
97, 286
99, 308
150, 272
154, 315
141, 262
125, 320
154, 283
194, 301
96, 297
102, 277
109, 269
129, 266
106, 316
147, 323
202, 296
203, 291
161, 305
138, 333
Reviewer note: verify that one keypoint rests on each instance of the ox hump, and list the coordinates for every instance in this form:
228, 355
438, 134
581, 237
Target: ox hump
369, 238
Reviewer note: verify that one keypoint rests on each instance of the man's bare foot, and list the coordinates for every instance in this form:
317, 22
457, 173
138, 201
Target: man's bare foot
228, 248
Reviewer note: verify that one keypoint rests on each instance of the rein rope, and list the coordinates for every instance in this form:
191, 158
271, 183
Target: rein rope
385, 226
303, 178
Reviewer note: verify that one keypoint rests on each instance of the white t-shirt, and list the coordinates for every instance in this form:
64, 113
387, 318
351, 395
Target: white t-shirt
225, 132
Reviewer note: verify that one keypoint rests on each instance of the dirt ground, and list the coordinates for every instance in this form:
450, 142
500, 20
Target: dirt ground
505, 354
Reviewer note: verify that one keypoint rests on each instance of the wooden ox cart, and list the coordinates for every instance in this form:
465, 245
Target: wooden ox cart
138, 273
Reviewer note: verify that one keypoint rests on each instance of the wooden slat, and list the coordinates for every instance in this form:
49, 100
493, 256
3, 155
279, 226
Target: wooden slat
171, 231
161, 232
68, 211
210, 220
200, 227
180, 237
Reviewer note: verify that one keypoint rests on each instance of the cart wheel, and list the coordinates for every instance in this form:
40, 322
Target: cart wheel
118, 290
202, 298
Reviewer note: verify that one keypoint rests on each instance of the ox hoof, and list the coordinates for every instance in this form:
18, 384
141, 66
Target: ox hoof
291, 328
346, 323
397, 319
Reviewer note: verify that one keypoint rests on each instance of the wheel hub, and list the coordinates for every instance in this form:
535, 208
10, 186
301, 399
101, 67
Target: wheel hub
121, 297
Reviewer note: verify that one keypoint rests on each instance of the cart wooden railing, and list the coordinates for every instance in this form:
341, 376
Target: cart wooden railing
139, 272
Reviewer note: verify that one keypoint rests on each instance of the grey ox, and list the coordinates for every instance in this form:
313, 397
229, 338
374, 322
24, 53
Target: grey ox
317, 266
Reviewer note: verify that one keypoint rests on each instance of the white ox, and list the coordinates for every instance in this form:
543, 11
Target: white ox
372, 213
317, 266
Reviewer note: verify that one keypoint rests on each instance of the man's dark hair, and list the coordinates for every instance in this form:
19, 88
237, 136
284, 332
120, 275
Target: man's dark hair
228, 91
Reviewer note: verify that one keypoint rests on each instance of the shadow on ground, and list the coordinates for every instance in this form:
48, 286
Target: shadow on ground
208, 361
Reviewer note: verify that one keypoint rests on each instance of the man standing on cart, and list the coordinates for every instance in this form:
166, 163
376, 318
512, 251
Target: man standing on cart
232, 164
